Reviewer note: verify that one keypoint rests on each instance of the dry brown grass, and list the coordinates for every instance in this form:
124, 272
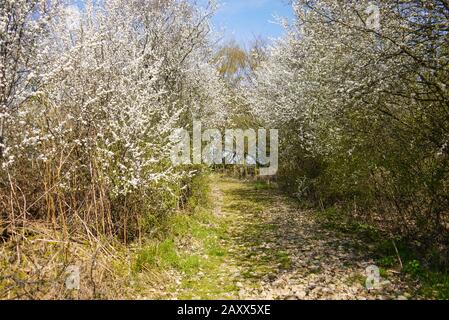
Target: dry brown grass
34, 263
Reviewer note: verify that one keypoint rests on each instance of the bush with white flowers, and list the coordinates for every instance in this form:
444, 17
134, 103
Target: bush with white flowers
96, 94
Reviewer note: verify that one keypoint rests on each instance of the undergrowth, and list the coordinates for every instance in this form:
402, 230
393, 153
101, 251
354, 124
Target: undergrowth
391, 253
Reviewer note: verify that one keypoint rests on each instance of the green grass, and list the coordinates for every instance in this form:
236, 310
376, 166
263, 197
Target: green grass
162, 255
207, 232
194, 247
335, 219
263, 185
284, 259
356, 279
165, 254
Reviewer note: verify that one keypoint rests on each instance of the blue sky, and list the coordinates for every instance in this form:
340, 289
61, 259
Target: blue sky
243, 19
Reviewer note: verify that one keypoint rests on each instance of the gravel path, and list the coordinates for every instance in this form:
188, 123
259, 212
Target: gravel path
274, 250
278, 251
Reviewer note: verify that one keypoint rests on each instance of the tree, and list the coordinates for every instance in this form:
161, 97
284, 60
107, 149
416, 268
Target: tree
93, 134
359, 91
22, 25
